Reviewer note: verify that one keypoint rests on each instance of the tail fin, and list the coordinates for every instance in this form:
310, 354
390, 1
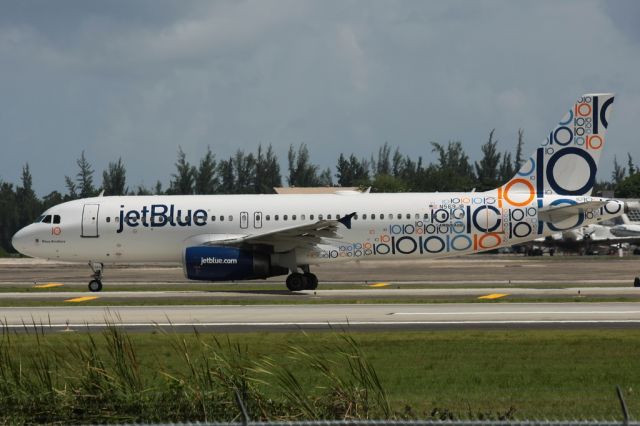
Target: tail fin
567, 161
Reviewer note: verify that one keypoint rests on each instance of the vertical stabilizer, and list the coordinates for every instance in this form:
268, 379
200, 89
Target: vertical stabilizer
567, 161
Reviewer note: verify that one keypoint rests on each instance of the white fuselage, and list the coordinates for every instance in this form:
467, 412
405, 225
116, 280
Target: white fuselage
387, 226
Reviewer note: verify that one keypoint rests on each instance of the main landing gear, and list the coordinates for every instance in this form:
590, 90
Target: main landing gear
306, 281
96, 283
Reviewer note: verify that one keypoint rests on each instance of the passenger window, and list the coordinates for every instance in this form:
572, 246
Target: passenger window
284, 217
329, 216
417, 215
408, 215
221, 218
311, 217
56, 219
399, 215
276, 217
390, 215
426, 216
355, 216
373, 216
230, 218
293, 217
213, 218
319, 217
47, 219
302, 217
268, 217
364, 216
338, 216
108, 219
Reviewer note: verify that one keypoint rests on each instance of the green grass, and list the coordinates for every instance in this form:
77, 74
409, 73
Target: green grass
454, 374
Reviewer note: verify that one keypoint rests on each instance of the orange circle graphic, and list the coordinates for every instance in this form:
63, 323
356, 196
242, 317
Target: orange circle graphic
491, 234
590, 141
581, 112
515, 203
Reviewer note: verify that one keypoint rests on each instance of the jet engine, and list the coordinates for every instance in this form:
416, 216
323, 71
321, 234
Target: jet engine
222, 263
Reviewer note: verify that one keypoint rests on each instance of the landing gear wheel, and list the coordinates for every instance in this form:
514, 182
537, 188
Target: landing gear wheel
296, 282
95, 285
636, 282
312, 281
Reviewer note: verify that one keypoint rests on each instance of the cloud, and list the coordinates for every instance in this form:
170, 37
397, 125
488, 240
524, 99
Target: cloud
137, 80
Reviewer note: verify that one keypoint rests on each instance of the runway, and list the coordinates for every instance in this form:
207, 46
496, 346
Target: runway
320, 295
371, 316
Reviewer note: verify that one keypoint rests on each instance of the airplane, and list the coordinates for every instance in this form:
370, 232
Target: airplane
584, 240
237, 237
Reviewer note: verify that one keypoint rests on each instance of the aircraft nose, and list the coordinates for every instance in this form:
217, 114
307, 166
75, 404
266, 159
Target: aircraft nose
19, 241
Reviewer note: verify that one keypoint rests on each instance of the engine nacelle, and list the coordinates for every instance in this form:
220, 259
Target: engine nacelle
222, 263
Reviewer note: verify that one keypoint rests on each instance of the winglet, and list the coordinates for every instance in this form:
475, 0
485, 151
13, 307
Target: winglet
346, 220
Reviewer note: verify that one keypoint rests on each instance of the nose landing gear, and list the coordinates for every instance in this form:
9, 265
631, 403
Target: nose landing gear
96, 283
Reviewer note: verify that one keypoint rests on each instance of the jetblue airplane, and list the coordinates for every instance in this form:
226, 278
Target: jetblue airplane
236, 237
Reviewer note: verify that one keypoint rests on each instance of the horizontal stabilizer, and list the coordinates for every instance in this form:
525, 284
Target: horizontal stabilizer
563, 212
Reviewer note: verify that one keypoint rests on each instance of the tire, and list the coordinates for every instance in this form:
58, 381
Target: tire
296, 282
312, 281
636, 282
95, 285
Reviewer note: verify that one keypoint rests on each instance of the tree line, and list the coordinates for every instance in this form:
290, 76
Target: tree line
388, 170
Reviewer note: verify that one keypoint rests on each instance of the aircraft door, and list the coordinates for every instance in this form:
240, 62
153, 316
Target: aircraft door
257, 220
90, 220
244, 220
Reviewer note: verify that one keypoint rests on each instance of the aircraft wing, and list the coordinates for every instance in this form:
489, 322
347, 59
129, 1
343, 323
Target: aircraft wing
289, 237
563, 212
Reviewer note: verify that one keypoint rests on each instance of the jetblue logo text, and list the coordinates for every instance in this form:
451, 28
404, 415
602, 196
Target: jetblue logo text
217, 261
159, 215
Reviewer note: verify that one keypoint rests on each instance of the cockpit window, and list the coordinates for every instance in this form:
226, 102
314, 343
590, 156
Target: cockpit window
47, 219
56, 218
39, 219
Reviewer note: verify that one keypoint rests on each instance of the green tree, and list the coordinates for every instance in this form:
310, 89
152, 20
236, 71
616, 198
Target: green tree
453, 171
206, 176
387, 183
28, 204
632, 167
506, 171
618, 173
352, 172
9, 217
84, 177
382, 166
245, 172
629, 187
301, 172
267, 171
114, 179
487, 168
519, 160
184, 178
227, 177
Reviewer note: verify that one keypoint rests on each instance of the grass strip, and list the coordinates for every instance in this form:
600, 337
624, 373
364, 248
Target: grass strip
167, 376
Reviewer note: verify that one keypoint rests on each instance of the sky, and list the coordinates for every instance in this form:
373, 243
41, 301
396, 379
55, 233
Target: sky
137, 79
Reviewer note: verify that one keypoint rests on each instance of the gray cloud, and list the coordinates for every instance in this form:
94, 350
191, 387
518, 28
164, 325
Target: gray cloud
138, 79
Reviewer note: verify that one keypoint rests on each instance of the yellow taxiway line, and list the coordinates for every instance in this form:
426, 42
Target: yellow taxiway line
493, 296
379, 285
48, 285
82, 299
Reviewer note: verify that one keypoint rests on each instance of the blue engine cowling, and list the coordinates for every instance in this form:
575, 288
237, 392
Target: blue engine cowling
221, 263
